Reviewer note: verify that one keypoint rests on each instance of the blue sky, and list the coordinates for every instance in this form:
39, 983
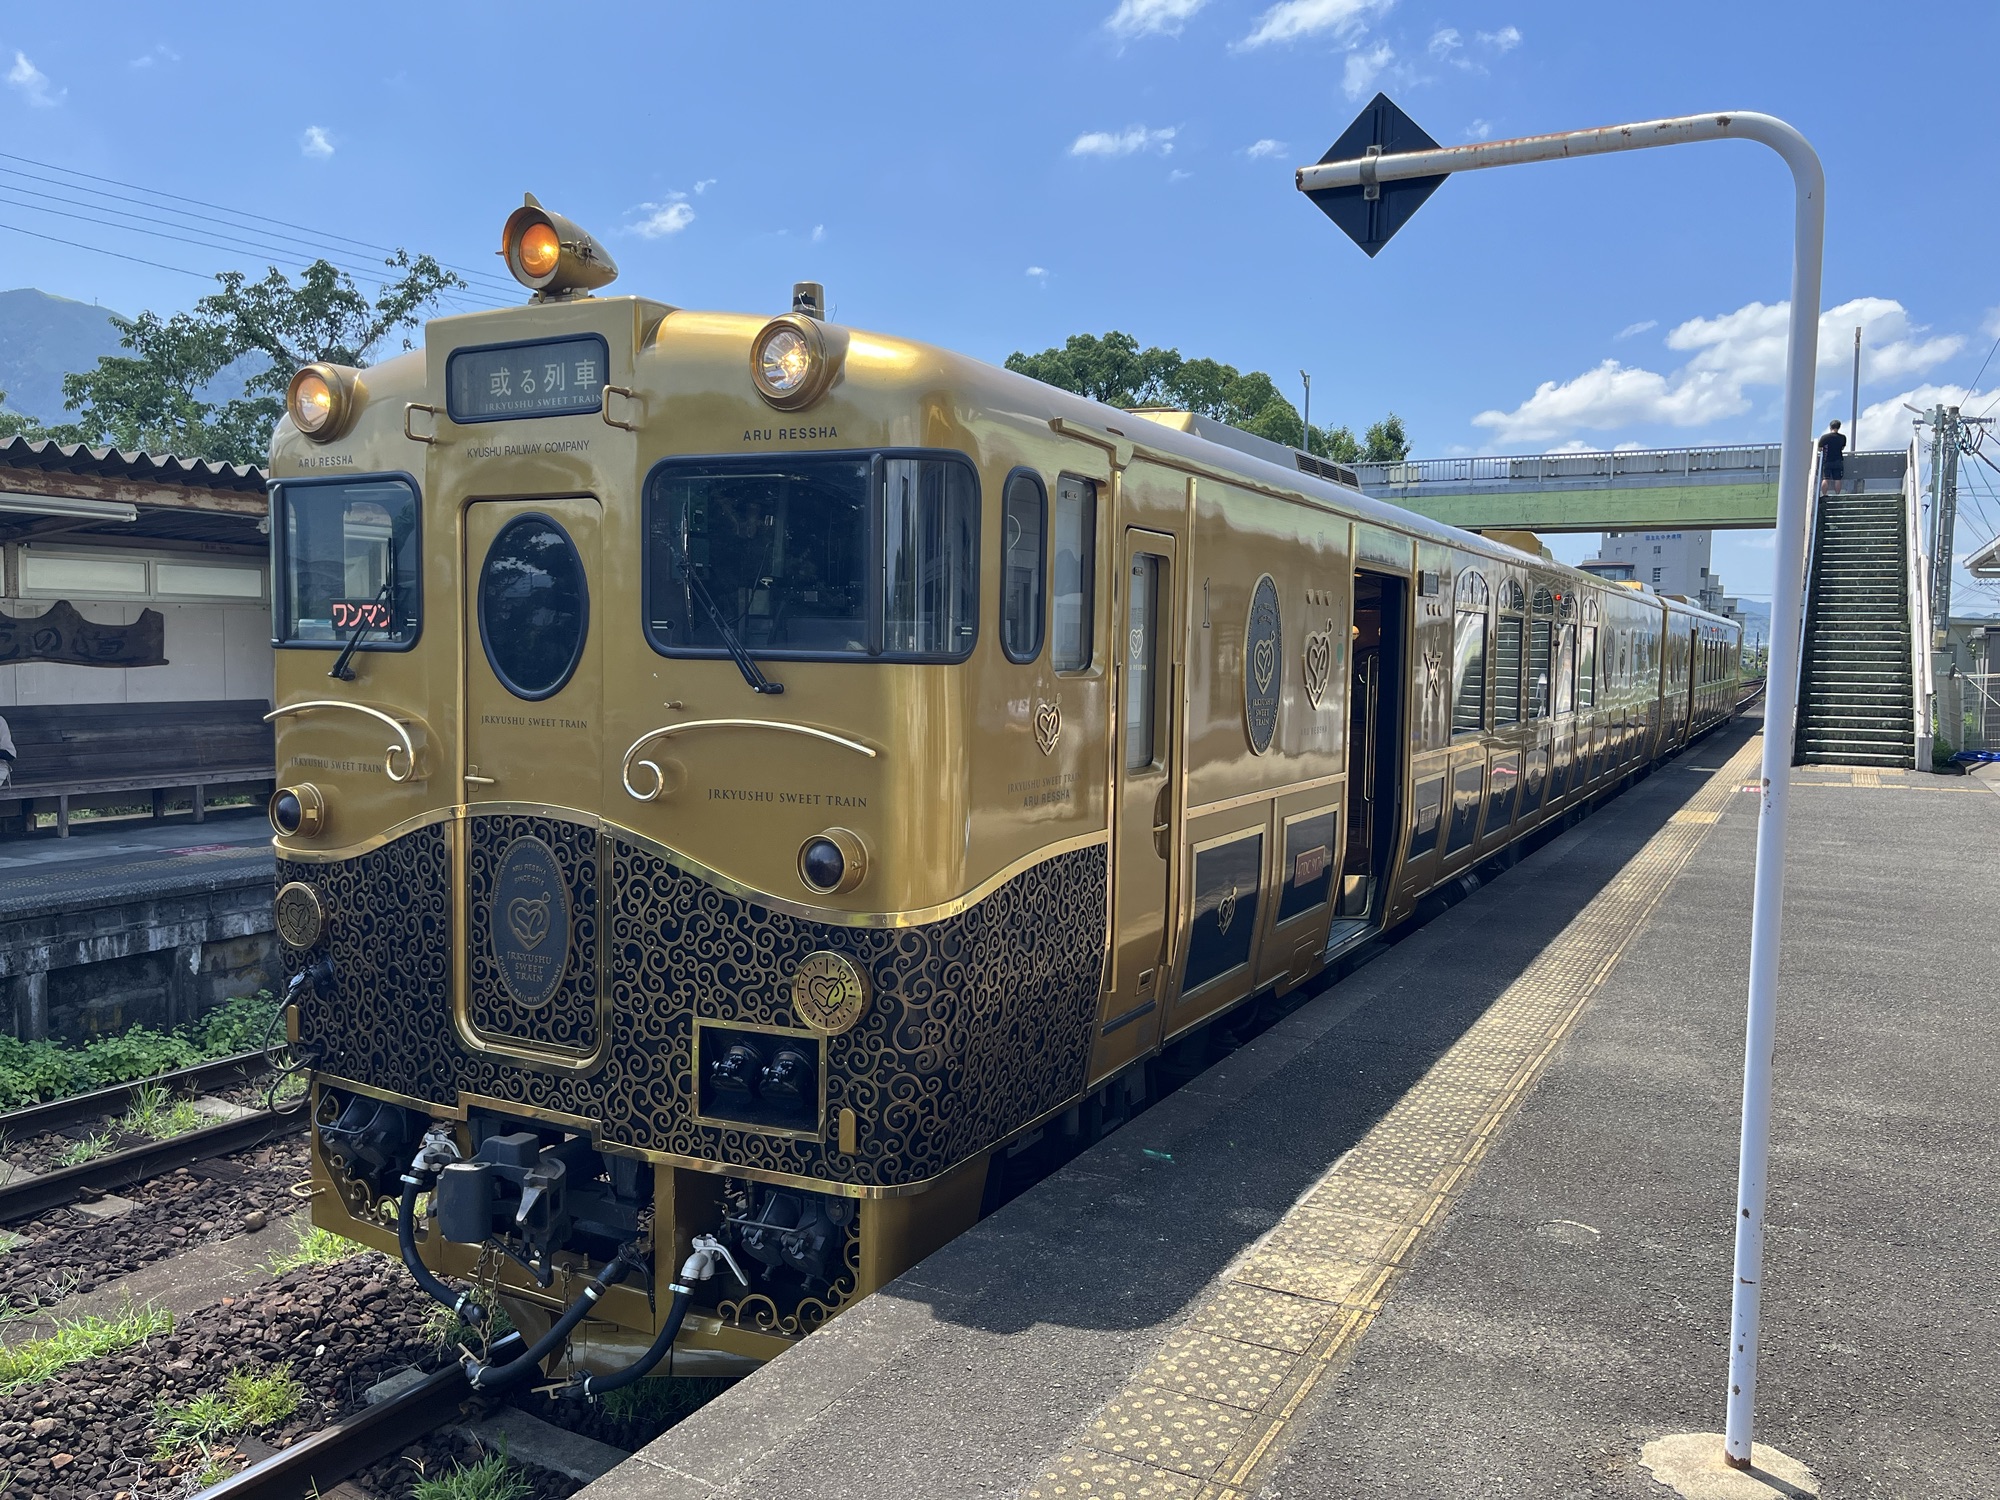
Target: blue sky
996, 177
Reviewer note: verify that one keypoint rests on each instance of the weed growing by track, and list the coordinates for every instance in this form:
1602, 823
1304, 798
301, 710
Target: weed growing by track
39, 1071
490, 1479
313, 1247
78, 1339
247, 1402
661, 1402
156, 1114
88, 1149
448, 1332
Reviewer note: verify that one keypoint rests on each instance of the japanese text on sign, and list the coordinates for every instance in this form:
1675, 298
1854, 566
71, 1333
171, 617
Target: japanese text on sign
560, 377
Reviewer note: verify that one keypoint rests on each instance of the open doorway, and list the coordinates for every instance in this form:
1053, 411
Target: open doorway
1374, 766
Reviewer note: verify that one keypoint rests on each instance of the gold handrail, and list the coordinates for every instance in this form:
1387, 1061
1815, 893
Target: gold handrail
659, 777
389, 757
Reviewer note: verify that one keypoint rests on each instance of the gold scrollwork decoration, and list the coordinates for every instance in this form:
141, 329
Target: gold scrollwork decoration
632, 761
403, 743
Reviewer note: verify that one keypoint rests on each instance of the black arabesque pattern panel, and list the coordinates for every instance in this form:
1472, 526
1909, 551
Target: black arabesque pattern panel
569, 1019
979, 1022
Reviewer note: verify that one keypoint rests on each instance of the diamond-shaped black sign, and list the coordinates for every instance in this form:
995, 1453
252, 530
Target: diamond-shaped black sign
1370, 221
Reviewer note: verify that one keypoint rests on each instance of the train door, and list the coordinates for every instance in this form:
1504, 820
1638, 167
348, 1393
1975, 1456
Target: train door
530, 971
1374, 736
1694, 684
1143, 840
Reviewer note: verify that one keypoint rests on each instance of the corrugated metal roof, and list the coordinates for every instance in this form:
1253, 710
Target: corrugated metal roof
116, 463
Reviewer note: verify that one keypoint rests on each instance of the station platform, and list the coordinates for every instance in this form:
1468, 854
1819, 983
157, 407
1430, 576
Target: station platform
1461, 1225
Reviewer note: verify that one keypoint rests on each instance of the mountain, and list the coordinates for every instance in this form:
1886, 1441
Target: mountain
44, 338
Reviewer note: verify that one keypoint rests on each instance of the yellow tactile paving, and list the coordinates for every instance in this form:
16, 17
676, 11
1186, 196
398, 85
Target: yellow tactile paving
1203, 1415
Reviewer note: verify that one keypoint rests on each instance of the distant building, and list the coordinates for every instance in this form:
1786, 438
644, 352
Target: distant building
1668, 562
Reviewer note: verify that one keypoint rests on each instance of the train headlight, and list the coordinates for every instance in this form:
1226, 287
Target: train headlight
788, 361
298, 811
833, 861
552, 256
320, 400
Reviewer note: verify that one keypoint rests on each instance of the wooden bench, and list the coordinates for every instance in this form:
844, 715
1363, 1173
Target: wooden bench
65, 751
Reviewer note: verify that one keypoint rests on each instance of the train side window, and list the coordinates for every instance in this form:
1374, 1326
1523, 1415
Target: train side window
1565, 670
1586, 668
1024, 524
1541, 638
1073, 595
930, 550
1468, 711
1142, 636
1507, 656
347, 560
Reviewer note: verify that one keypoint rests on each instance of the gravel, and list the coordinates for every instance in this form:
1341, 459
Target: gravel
71, 1252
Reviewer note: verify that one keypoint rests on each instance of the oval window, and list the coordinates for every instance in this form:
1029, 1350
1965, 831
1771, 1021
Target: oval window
534, 607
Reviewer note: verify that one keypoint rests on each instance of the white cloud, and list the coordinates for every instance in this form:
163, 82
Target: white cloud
819, 230
1124, 142
1135, 18
1479, 130
159, 54
658, 220
1040, 273
1506, 39
1363, 68
316, 143
1991, 326
1633, 330
1265, 147
1177, 175
33, 83
703, 186
1728, 354
1289, 20
1445, 41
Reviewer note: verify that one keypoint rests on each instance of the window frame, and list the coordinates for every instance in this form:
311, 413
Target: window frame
280, 581
874, 583
1089, 573
1044, 572
1511, 604
500, 674
1470, 596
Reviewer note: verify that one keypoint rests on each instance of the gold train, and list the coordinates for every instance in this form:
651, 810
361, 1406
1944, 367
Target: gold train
742, 777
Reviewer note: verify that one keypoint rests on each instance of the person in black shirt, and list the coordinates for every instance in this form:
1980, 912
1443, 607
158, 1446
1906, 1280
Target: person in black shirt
1832, 457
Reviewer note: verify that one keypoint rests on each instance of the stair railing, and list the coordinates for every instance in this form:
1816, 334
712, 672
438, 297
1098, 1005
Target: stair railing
1806, 614
1922, 688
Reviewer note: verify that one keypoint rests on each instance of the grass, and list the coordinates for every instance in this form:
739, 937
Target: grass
247, 1402
447, 1331
492, 1478
158, 1116
662, 1401
313, 1247
76, 1340
88, 1149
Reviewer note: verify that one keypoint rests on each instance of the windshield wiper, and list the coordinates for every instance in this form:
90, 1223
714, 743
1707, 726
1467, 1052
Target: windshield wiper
759, 683
341, 669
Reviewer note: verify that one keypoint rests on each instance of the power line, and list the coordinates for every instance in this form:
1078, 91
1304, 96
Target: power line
262, 246
237, 213
79, 245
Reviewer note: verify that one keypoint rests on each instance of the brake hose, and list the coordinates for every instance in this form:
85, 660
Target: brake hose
460, 1303
485, 1377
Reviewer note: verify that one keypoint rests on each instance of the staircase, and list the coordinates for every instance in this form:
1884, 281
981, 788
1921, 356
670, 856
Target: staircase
1855, 696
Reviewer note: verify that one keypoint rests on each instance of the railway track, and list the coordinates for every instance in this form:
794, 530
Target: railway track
311, 1466
25, 1195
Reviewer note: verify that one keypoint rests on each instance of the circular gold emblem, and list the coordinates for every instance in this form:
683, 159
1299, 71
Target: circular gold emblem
829, 992
298, 915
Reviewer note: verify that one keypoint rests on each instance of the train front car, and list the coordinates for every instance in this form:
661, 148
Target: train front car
663, 972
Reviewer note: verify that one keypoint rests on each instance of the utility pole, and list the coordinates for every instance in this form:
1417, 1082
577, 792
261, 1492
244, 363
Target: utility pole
1949, 437
1854, 421
1308, 444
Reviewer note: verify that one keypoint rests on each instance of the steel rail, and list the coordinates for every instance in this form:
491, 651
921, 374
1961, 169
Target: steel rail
123, 1169
39, 1119
315, 1464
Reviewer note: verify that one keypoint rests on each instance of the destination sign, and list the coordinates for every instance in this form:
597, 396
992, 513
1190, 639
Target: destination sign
546, 378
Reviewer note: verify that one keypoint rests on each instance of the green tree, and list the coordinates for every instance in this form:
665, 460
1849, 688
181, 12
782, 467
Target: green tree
1115, 370
15, 424
152, 399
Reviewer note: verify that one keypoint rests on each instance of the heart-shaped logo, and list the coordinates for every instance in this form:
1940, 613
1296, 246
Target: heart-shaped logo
829, 992
1225, 911
1264, 661
825, 992
1319, 666
1137, 642
1048, 726
528, 920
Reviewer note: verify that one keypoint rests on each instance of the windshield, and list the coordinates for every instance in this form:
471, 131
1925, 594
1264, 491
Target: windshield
816, 555
349, 558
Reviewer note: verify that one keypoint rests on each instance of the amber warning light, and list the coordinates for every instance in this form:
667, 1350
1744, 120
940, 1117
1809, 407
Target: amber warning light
552, 256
